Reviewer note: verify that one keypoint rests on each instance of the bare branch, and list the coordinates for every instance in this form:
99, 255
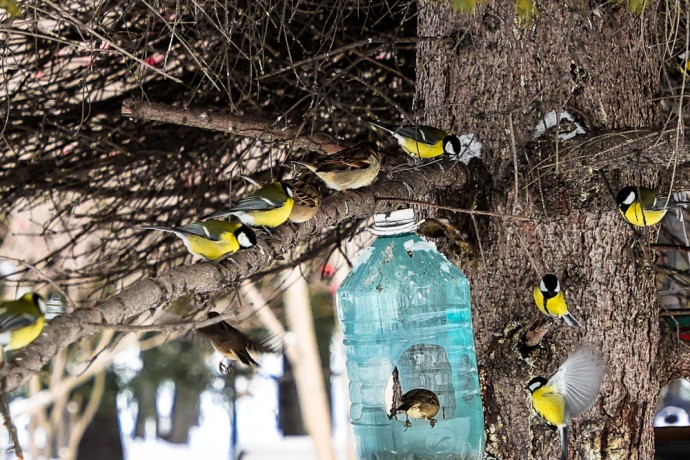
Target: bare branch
241, 126
11, 429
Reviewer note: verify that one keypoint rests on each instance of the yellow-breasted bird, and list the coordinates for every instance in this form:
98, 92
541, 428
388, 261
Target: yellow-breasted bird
551, 300
234, 344
568, 393
307, 200
643, 206
419, 403
212, 239
352, 168
422, 141
268, 207
21, 321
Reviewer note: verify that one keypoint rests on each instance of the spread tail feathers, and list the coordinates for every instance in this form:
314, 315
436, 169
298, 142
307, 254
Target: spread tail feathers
563, 431
570, 321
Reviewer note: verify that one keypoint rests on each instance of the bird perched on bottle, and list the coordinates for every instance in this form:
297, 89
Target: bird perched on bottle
643, 206
268, 207
21, 321
352, 168
307, 200
234, 344
568, 393
419, 403
212, 239
423, 141
551, 301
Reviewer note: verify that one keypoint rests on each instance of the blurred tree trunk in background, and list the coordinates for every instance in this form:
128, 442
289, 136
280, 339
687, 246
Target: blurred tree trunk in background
101, 440
145, 396
289, 413
185, 414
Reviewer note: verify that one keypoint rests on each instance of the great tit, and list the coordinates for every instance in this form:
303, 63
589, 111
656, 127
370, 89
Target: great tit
212, 239
21, 321
234, 344
568, 393
643, 206
419, 403
307, 200
269, 206
422, 141
551, 301
352, 168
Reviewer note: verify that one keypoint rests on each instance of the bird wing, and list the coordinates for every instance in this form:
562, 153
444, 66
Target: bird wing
259, 203
196, 228
269, 344
13, 321
355, 158
424, 134
578, 380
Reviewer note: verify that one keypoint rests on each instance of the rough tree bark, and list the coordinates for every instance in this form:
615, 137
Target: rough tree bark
496, 82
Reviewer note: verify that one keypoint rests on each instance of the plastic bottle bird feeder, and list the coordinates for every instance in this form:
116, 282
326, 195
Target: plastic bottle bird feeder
404, 311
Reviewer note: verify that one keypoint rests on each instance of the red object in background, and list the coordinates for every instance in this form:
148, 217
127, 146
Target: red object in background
327, 271
155, 59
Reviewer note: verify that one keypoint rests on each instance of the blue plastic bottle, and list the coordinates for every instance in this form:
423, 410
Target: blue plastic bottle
405, 306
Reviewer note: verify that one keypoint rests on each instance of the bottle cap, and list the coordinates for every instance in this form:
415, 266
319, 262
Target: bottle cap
394, 223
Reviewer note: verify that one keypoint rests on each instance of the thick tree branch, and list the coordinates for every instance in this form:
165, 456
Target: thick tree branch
207, 277
233, 124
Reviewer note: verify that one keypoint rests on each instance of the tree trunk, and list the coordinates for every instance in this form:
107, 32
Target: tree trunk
145, 395
101, 440
289, 413
493, 79
185, 413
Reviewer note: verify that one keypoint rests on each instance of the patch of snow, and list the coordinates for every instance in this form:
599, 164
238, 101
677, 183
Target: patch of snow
555, 118
470, 147
412, 246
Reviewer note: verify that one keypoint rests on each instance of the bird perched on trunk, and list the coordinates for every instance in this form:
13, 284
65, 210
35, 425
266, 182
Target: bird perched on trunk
568, 393
268, 207
307, 200
422, 141
419, 403
234, 344
551, 301
212, 239
21, 321
643, 206
348, 169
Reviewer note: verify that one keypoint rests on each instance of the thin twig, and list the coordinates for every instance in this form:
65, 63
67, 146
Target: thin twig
670, 247
348, 47
453, 209
45, 277
11, 429
513, 148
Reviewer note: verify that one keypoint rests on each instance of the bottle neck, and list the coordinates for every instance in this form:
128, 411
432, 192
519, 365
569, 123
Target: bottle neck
398, 222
